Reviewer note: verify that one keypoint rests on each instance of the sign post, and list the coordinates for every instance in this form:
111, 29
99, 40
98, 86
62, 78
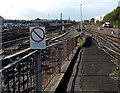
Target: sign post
37, 41
38, 72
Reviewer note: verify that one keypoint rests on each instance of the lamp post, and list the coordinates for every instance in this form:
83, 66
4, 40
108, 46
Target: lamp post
48, 17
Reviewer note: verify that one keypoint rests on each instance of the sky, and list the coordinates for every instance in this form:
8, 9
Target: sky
51, 9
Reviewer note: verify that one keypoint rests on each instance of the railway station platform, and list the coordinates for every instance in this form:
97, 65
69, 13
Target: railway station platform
90, 71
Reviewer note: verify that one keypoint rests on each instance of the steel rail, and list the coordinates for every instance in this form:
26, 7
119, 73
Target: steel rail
23, 38
60, 36
11, 41
112, 50
16, 61
103, 39
28, 49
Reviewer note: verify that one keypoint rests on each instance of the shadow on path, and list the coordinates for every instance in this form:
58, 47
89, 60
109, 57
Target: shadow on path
88, 42
64, 83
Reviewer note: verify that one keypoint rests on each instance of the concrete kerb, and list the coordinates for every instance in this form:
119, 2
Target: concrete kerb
59, 76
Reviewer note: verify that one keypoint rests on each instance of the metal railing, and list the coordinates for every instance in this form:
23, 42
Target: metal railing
19, 76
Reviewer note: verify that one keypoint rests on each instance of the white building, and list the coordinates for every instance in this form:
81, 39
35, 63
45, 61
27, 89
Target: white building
99, 18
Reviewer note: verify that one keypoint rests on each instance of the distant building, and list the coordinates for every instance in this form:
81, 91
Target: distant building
85, 21
119, 3
41, 20
8, 25
99, 18
1, 21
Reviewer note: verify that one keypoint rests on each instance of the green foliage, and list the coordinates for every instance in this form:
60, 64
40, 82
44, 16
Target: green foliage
113, 17
99, 23
92, 20
117, 73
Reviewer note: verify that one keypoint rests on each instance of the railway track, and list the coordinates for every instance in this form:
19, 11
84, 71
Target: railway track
12, 46
11, 58
111, 42
21, 32
19, 74
13, 41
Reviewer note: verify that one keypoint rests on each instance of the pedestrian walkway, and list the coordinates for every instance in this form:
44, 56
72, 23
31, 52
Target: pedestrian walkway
92, 71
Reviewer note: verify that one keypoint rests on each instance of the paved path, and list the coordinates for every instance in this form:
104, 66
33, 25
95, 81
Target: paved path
92, 71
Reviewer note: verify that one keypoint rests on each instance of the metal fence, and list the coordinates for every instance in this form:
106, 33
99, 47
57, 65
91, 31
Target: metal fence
19, 76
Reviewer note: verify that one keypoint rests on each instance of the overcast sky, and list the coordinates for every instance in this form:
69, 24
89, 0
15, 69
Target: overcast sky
31, 9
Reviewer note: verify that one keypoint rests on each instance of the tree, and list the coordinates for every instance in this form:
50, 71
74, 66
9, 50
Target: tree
97, 21
37, 19
92, 19
113, 17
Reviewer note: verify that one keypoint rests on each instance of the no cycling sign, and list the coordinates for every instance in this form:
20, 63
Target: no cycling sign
37, 38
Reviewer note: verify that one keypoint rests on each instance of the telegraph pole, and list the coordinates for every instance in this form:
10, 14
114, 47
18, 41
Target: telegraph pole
81, 16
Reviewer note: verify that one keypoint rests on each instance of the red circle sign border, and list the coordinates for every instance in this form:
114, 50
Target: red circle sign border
33, 31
